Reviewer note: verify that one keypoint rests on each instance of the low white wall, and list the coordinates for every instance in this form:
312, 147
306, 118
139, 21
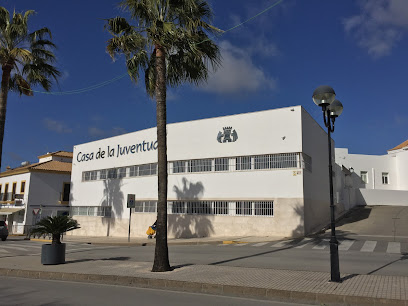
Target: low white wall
286, 222
382, 197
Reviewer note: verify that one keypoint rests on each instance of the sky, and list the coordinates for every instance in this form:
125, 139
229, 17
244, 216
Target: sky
274, 60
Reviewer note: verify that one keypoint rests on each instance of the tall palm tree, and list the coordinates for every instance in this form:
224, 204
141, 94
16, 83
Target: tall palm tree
26, 59
169, 43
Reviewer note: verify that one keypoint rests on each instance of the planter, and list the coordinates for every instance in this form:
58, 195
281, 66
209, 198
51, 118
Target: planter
53, 254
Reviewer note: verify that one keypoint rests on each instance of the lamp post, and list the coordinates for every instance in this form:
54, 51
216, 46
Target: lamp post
324, 96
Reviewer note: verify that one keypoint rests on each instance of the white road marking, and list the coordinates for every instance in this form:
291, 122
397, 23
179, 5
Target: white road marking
394, 247
322, 245
345, 245
305, 241
369, 246
280, 244
260, 244
240, 244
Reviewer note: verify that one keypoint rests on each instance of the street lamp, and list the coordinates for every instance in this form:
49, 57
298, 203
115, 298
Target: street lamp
324, 96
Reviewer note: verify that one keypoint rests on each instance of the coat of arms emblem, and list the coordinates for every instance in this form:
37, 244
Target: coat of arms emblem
229, 135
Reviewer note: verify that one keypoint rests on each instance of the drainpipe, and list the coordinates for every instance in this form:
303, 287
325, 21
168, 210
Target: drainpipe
373, 172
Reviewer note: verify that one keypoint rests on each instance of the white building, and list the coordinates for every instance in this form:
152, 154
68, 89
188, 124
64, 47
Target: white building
33, 191
258, 173
376, 179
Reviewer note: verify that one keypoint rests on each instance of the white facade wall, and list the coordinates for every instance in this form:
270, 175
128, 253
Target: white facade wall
266, 132
402, 166
316, 182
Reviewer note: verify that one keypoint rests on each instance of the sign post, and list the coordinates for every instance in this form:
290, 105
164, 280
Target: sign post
130, 204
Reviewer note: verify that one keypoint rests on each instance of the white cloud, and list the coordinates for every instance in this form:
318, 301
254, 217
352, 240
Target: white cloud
380, 25
238, 73
56, 126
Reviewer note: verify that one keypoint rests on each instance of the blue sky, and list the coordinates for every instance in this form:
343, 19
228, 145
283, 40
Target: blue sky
275, 60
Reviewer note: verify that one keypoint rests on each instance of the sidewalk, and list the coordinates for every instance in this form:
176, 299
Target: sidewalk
280, 285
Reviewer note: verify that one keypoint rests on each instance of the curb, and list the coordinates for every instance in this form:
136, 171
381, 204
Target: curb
196, 287
40, 240
147, 243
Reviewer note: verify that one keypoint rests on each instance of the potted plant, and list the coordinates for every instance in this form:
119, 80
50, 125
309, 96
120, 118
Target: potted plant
54, 253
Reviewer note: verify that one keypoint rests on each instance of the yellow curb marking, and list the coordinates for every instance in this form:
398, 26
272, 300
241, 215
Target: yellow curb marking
40, 240
233, 242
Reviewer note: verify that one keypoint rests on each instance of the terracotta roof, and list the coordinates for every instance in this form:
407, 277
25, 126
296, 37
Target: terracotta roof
53, 165
400, 146
58, 153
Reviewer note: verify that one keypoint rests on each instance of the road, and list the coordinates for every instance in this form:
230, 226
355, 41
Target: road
359, 256
18, 291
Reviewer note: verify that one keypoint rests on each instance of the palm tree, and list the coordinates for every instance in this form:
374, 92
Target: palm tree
25, 58
55, 226
169, 43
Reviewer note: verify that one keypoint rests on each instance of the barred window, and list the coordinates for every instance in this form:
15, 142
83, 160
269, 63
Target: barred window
153, 168
178, 207
100, 211
102, 174
243, 208
220, 208
262, 162
121, 172
94, 175
138, 206
150, 206
133, 171
112, 173
263, 208
221, 164
144, 170
200, 165
201, 207
243, 163
288, 160
86, 175
179, 166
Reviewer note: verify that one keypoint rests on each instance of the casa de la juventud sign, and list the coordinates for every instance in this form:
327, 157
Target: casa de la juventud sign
117, 151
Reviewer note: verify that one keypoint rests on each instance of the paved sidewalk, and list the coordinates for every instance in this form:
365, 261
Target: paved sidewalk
285, 285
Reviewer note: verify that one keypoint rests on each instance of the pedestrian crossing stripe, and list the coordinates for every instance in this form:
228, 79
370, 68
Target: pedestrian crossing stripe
369, 246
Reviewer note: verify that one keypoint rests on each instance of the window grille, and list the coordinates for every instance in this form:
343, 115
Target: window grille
385, 178
101, 211
243, 163
220, 208
86, 175
133, 171
178, 207
221, 164
145, 206
243, 208
94, 175
200, 208
121, 172
200, 165
263, 208
102, 174
179, 166
112, 173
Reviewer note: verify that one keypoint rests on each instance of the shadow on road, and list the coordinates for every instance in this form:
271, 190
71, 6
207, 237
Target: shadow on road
96, 259
403, 257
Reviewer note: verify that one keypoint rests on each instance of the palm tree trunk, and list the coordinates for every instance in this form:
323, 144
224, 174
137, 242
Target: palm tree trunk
5, 79
161, 254
56, 239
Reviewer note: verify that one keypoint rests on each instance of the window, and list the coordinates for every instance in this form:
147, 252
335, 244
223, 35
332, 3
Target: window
66, 189
221, 164
263, 208
22, 187
94, 175
133, 171
121, 172
364, 176
243, 163
199, 165
1, 194
14, 190
220, 208
102, 174
243, 208
179, 166
385, 178
86, 176
5, 196
112, 173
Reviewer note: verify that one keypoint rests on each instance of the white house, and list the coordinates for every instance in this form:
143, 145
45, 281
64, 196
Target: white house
33, 191
258, 173
375, 179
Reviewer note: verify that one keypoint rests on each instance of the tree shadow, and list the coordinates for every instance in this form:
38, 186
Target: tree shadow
299, 231
356, 214
190, 223
96, 259
112, 197
403, 257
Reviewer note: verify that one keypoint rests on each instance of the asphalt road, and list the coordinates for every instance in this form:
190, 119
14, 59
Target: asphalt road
19, 291
356, 256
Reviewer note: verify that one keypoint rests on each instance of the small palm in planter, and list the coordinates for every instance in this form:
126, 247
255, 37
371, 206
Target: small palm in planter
54, 253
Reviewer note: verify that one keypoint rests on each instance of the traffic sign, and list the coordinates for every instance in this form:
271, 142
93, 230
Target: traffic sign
131, 201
